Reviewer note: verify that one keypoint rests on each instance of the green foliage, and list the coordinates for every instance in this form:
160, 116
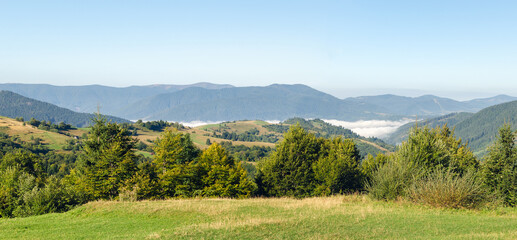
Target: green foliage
289, 170
338, 171
252, 135
174, 160
174, 147
22, 194
428, 154
25, 160
437, 147
304, 165
325, 130
391, 180
500, 167
221, 176
183, 172
244, 153
109, 157
371, 164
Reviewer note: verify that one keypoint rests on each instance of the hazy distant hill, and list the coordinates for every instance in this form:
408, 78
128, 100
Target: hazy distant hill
89, 98
450, 119
429, 105
275, 102
479, 129
14, 105
212, 102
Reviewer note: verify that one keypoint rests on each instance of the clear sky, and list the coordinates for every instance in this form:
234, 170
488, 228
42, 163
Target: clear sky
347, 48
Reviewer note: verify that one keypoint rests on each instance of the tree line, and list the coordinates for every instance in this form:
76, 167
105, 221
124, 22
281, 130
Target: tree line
431, 167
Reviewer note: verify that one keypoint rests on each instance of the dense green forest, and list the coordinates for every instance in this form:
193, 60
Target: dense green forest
14, 106
432, 167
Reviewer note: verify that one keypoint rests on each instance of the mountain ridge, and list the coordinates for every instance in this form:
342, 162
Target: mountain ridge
218, 102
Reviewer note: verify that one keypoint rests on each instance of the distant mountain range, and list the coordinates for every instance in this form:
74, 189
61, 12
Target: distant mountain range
91, 97
213, 102
14, 105
479, 129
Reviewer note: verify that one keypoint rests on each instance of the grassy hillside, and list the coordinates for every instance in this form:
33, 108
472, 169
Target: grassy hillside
262, 131
26, 132
274, 132
337, 217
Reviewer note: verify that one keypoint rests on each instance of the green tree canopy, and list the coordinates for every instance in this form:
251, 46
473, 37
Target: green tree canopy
109, 157
304, 165
500, 167
436, 148
222, 177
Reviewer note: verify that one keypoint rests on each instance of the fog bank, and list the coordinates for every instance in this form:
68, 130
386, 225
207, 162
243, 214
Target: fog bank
370, 128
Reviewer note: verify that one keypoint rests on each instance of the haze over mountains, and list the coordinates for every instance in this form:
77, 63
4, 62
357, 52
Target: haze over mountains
14, 105
213, 102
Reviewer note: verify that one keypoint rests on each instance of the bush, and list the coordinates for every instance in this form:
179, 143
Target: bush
444, 188
53, 197
392, 179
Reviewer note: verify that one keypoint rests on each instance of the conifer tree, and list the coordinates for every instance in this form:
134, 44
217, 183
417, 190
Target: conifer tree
109, 157
500, 167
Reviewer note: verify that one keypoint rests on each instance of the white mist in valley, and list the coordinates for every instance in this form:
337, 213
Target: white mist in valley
201, 123
365, 128
370, 128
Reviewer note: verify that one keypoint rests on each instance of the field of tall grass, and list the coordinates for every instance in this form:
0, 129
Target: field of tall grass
336, 217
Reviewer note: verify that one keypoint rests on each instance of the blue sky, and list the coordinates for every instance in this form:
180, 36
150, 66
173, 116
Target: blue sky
458, 49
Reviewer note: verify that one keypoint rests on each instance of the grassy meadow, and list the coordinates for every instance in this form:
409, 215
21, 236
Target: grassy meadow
337, 217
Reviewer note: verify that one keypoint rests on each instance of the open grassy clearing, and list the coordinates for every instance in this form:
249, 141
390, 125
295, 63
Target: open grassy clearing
338, 217
25, 132
239, 127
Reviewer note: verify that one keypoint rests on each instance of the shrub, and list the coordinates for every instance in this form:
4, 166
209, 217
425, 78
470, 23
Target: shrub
392, 179
444, 188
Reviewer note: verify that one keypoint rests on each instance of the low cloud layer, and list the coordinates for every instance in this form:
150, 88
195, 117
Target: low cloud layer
198, 123
370, 128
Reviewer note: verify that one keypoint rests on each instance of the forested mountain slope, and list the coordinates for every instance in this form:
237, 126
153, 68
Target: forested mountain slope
275, 102
88, 98
479, 129
450, 119
14, 105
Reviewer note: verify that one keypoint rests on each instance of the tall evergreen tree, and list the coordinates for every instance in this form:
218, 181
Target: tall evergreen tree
110, 158
500, 167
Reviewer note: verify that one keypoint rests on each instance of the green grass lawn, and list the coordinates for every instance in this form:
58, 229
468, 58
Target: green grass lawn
339, 217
